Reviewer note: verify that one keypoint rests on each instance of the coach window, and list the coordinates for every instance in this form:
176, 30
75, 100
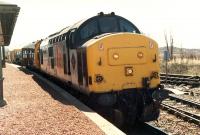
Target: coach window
58, 38
50, 49
54, 40
24, 54
65, 63
50, 41
108, 24
41, 56
89, 30
63, 37
32, 52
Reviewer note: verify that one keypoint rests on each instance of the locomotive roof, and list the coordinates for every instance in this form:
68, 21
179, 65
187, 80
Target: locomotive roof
94, 26
80, 23
75, 26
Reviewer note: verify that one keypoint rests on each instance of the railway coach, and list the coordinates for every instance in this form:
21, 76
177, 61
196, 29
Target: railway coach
27, 55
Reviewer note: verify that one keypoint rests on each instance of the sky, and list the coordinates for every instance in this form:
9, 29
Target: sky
179, 18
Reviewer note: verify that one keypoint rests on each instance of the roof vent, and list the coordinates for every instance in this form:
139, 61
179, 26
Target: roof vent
101, 13
112, 13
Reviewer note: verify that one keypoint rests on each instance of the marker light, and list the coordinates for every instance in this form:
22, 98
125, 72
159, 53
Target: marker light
101, 47
150, 45
115, 56
140, 55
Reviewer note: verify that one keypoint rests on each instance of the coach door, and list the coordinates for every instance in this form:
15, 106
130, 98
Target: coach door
82, 67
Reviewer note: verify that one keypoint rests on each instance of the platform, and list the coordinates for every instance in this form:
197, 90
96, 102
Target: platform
35, 107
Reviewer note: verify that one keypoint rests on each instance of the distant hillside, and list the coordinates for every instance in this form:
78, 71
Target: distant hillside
179, 50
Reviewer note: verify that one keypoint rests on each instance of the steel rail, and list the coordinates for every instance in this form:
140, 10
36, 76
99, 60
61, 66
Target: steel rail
185, 101
180, 79
181, 113
180, 75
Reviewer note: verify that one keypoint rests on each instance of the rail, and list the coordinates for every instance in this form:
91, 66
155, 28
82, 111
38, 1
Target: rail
185, 101
187, 116
178, 79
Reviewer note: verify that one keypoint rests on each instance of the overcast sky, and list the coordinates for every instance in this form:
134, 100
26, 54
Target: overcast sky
180, 18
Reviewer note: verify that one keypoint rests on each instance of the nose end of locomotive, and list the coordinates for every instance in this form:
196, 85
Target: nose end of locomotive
152, 111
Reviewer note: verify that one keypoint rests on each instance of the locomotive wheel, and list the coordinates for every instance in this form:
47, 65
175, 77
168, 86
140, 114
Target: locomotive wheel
118, 118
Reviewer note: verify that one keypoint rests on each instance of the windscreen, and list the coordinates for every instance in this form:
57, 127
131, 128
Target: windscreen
106, 24
109, 24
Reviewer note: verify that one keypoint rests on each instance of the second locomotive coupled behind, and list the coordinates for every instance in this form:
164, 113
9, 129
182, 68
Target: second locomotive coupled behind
107, 58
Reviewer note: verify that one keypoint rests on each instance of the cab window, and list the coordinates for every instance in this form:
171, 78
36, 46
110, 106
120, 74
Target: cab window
125, 26
108, 24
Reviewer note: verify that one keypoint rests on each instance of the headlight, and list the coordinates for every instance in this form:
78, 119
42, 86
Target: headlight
129, 71
115, 56
140, 55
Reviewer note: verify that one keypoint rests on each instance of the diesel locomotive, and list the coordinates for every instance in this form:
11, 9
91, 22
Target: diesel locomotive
107, 58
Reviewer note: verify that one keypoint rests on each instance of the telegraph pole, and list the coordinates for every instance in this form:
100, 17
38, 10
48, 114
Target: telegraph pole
166, 58
2, 101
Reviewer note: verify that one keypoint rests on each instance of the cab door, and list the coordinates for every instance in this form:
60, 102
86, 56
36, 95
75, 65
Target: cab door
66, 57
73, 58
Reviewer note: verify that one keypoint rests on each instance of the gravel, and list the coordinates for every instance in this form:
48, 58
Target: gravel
190, 93
175, 126
34, 108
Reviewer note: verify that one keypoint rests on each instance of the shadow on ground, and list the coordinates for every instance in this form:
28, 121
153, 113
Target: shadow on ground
54, 94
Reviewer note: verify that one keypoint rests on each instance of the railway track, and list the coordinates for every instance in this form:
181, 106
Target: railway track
188, 110
185, 101
177, 79
141, 128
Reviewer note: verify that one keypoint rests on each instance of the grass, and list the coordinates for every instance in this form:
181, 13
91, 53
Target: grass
182, 66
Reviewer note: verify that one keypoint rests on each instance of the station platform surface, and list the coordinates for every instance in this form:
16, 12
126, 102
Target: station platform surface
34, 107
